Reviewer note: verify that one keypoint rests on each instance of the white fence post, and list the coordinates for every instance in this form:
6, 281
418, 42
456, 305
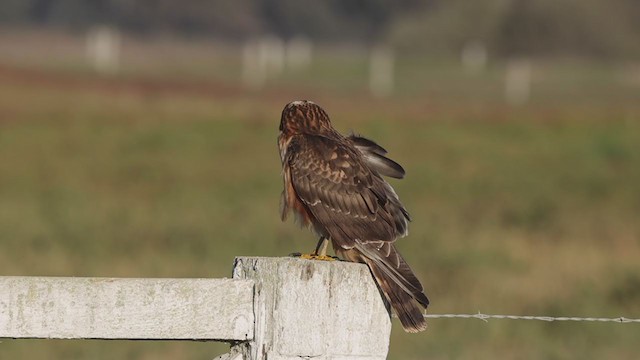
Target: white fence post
474, 57
262, 59
518, 81
314, 309
381, 71
273, 308
254, 72
299, 53
273, 49
116, 308
103, 49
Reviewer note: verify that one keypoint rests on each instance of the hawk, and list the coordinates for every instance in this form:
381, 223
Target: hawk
334, 185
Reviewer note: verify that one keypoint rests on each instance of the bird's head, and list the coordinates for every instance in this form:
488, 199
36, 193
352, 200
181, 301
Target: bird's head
303, 116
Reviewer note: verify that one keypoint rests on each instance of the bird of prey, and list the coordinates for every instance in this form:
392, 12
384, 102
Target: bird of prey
334, 185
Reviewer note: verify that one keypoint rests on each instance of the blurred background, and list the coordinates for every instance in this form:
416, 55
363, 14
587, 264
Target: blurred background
138, 139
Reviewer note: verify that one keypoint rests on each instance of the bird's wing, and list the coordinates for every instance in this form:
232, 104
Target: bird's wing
374, 156
345, 197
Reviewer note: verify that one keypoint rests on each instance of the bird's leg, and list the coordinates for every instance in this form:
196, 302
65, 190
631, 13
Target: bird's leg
321, 248
320, 253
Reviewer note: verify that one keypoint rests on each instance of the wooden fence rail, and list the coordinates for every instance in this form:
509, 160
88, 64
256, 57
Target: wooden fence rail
272, 308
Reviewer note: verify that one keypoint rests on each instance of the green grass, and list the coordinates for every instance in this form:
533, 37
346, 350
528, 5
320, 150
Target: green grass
523, 211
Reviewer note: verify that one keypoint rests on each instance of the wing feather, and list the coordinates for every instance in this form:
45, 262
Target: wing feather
374, 156
343, 194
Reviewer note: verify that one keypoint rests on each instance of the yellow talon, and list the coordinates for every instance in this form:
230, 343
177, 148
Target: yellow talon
314, 257
319, 254
323, 257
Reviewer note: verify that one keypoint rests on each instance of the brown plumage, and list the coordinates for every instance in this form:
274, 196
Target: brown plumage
334, 184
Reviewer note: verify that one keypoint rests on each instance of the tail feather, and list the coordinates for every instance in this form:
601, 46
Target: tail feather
400, 287
408, 311
389, 262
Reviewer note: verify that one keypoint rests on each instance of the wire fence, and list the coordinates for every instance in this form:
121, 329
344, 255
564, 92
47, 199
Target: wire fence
487, 317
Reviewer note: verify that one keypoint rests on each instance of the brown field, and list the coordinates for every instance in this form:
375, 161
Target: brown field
170, 169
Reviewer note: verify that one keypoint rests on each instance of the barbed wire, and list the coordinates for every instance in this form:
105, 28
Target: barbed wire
487, 317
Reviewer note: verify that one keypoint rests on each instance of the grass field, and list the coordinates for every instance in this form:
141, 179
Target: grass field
532, 210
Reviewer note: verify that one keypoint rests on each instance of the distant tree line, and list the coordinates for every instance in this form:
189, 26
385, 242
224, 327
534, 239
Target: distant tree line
596, 28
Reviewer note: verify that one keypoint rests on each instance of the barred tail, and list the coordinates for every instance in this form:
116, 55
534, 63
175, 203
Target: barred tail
406, 307
397, 282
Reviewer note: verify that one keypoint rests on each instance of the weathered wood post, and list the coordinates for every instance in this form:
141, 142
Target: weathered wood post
273, 308
117, 308
313, 309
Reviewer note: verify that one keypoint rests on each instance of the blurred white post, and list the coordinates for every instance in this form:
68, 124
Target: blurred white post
253, 65
298, 53
381, 71
103, 49
274, 55
474, 57
629, 74
518, 81
262, 59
